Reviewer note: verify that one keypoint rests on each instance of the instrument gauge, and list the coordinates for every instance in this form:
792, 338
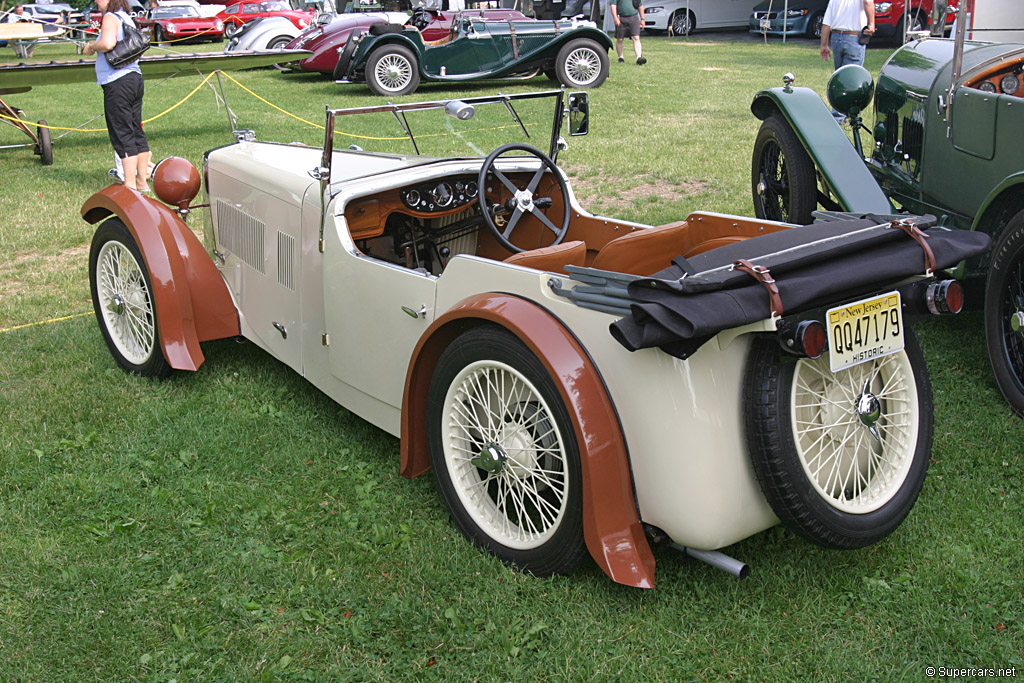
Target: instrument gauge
442, 194
471, 189
987, 86
1010, 84
412, 197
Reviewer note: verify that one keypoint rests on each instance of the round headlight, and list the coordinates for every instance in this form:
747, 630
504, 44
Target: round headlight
171, 28
850, 89
220, 25
1009, 84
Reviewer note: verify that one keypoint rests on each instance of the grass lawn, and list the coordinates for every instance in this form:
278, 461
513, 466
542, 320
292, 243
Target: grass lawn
235, 524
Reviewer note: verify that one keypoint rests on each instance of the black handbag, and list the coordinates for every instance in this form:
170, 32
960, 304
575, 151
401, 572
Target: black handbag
129, 48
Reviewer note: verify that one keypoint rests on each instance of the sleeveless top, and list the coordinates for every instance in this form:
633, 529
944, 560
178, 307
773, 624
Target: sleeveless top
104, 72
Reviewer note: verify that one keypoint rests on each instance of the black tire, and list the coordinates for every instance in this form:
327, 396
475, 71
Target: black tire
279, 42
158, 34
783, 180
799, 415
526, 518
122, 296
582, 63
814, 25
681, 23
45, 146
392, 70
918, 22
1004, 309
230, 29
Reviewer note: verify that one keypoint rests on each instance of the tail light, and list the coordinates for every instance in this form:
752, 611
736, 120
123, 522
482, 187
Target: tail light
806, 338
945, 297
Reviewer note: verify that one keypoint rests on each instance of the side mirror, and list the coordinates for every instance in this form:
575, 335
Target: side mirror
579, 113
939, 11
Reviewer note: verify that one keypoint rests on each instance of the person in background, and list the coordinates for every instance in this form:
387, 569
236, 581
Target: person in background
629, 19
122, 97
22, 49
841, 29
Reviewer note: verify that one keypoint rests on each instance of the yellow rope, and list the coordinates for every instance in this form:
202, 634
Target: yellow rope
43, 322
178, 40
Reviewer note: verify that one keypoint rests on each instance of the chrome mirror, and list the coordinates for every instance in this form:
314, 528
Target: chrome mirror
579, 113
939, 11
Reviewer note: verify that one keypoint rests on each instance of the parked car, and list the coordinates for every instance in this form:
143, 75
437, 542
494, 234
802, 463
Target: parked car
392, 60
680, 17
468, 304
265, 33
799, 17
180, 24
893, 21
328, 38
945, 141
53, 13
234, 16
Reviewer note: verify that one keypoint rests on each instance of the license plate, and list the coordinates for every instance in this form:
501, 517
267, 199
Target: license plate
766, 24
864, 330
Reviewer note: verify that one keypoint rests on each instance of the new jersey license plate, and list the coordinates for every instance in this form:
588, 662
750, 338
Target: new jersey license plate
864, 330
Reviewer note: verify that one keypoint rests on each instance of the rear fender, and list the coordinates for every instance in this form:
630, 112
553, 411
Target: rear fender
371, 43
192, 301
611, 523
830, 149
1005, 198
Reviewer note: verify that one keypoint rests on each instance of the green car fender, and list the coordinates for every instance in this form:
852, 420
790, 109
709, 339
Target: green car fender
1003, 196
410, 39
834, 156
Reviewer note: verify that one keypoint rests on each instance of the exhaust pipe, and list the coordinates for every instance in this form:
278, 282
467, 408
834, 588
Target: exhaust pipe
716, 559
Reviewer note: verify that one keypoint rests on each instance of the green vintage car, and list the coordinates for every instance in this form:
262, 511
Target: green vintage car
394, 59
947, 140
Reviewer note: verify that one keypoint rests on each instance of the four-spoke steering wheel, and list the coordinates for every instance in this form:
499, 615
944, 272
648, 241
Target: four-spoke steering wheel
420, 18
523, 200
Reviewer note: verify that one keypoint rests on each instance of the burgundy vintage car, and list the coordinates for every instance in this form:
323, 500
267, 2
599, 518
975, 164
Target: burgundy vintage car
180, 23
234, 16
326, 40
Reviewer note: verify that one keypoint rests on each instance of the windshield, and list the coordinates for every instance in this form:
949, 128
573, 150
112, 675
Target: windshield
427, 129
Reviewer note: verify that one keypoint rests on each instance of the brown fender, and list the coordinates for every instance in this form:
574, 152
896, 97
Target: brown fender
192, 301
611, 524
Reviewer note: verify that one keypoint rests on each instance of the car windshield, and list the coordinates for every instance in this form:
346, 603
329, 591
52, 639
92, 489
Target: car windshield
437, 131
173, 12
273, 7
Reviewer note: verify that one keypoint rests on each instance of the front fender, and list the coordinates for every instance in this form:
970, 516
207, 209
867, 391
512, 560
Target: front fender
1006, 192
369, 43
191, 299
611, 523
833, 154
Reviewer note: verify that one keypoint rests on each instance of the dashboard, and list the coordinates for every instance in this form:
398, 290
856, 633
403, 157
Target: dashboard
441, 195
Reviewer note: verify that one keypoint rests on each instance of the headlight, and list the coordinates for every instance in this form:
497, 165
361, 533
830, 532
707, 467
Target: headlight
883, 7
172, 29
220, 25
654, 10
796, 12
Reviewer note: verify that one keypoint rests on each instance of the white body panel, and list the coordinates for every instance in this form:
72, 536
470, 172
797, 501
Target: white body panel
707, 13
682, 420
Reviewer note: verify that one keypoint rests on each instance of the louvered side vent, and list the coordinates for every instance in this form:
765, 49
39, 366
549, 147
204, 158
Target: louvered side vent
286, 260
242, 235
913, 138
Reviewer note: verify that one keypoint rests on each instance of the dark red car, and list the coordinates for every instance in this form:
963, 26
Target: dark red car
178, 24
234, 16
326, 39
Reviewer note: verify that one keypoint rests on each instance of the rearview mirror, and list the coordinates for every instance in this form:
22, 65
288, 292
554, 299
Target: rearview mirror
939, 11
579, 113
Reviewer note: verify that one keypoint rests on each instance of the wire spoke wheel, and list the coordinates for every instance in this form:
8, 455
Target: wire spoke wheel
583, 66
123, 301
504, 452
582, 63
393, 72
854, 469
840, 456
783, 179
1004, 312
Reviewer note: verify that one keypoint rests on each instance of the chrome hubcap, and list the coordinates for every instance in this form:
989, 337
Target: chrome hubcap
869, 409
491, 458
116, 305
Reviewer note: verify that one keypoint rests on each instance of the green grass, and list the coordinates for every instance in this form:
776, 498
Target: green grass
235, 524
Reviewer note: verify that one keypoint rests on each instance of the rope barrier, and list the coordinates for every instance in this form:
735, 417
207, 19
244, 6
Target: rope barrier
44, 322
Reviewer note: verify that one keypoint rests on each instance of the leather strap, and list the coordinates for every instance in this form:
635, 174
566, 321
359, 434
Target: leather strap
764, 276
515, 43
919, 236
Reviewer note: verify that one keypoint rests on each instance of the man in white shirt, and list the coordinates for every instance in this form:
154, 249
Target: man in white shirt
841, 27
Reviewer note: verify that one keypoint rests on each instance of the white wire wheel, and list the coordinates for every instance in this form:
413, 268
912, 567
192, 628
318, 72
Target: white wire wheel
122, 295
504, 452
392, 70
840, 457
582, 63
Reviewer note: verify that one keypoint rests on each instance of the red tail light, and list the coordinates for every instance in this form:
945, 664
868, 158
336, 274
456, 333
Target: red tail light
806, 338
945, 297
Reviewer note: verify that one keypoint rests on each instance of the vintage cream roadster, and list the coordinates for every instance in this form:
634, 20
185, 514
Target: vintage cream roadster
578, 383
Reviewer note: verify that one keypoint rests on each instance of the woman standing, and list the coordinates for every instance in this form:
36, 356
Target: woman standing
122, 96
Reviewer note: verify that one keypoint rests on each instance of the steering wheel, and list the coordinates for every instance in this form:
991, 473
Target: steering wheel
420, 18
522, 200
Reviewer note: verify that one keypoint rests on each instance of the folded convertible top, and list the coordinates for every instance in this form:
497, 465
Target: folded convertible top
822, 264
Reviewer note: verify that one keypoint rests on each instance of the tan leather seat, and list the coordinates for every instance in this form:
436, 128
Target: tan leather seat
643, 252
553, 258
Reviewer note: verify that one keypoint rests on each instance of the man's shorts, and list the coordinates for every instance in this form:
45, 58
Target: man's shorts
628, 26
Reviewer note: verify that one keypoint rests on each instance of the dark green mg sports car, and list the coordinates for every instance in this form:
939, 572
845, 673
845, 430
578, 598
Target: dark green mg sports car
947, 139
394, 59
